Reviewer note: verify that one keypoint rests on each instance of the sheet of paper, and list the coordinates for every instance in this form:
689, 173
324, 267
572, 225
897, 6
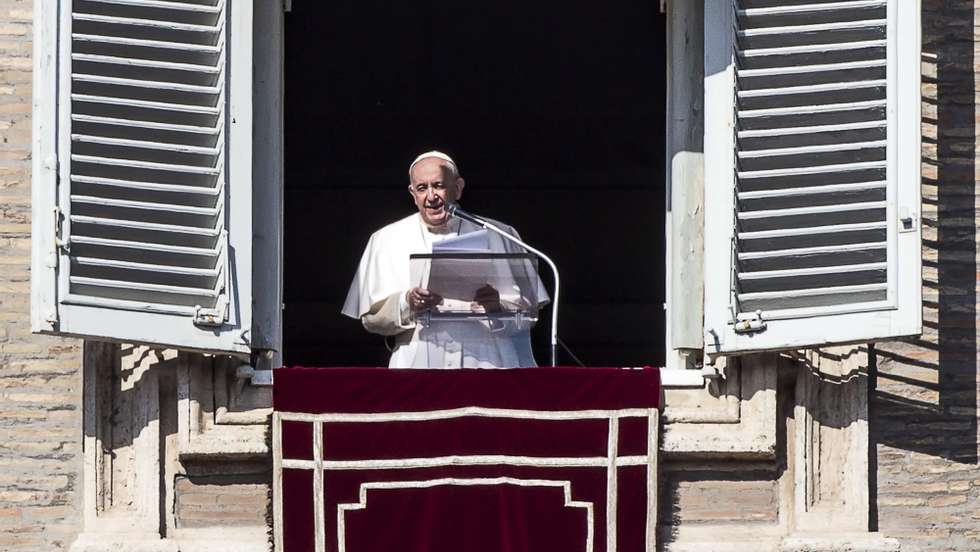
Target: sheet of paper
474, 242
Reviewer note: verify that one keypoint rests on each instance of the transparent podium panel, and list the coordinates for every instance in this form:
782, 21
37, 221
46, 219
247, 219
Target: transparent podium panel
479, 286
489, 304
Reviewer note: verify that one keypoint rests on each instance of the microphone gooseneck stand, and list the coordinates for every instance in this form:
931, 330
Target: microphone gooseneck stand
455, 211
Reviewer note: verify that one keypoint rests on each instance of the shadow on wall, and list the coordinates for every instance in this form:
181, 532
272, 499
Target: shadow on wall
924, 396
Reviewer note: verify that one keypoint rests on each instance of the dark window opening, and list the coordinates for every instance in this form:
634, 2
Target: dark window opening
555, 115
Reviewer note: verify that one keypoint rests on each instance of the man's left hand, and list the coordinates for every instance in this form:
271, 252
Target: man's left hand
488, 298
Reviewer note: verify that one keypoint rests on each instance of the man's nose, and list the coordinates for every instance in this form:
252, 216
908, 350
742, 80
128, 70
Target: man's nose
430, 195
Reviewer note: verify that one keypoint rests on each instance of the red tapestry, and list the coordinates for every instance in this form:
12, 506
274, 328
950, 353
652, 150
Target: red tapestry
544, 459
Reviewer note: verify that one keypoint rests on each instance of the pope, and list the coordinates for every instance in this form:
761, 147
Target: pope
384, 298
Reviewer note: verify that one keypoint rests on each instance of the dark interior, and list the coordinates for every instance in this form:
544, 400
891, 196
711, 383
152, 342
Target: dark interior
555, 115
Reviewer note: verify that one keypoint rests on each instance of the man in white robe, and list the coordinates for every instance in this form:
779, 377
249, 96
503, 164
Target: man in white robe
383, 297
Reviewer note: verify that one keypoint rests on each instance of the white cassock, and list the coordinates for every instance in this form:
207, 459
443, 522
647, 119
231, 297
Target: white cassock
377, 298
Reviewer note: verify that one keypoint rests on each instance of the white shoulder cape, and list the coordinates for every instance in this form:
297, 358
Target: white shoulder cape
384, 268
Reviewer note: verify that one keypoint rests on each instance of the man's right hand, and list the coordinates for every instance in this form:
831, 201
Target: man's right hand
421, 300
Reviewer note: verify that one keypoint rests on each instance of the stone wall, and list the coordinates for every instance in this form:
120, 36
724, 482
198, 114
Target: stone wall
40, 381
924, 404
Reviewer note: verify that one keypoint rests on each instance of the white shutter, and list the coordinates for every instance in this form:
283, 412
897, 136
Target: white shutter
812, 148
152, 145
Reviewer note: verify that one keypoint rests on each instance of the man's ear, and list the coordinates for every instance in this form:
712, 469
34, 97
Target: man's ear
459, 187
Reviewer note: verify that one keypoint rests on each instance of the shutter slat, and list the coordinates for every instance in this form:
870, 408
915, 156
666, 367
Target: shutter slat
812, 8
147, 104
143, 144
815, 28
149, 63
811, 48
810, 89
151, 186
801, 69
812, 190
816, 271
819, 129
141, 225
140, 286
146, 246
154, 125
156, 23
136, 164
122, 304
801, 150
182, 6
812, 292
804, 251
101, 79
169, 269
170, 207
145, 43
819, 169
810, 109
812, 210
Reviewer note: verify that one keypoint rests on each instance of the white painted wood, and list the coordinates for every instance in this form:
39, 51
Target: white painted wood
812, 88
239, 163
153, 186
145, 83
882, 271
153, 125
803, 150
185, 108
127, 41
719, 166
820, 209
267, 191
685, 180
811, 8
203, 8
811, 48
810, 109
143, 22
819, 68
802, 251
208, 235
206, 211
44, 167
795, 29
812, 190
793, 273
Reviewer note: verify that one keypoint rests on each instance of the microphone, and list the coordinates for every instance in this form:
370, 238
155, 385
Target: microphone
455, 211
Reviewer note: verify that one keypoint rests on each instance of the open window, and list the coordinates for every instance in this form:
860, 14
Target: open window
812, 153
142, 187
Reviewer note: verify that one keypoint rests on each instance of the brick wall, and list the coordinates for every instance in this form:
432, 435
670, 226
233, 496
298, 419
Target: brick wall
924, 408
222, 500
40, 382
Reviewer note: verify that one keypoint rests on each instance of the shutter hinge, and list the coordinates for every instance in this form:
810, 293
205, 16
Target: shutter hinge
287, 6
212, 317
749, 323
59, 244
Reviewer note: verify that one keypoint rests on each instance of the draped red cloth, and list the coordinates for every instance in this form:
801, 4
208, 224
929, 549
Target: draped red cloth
517, 460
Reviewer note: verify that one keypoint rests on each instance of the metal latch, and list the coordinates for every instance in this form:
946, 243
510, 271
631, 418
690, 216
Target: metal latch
907, 220
749, 323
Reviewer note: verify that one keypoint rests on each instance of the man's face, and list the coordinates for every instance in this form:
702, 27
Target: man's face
432, 187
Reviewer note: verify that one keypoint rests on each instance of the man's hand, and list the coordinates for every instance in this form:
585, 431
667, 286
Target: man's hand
421, 300
488, 298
